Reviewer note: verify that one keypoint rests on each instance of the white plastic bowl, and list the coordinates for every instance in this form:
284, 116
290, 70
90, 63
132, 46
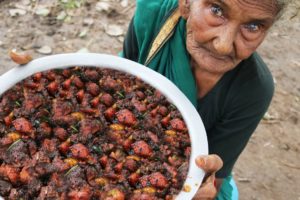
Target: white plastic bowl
192, 119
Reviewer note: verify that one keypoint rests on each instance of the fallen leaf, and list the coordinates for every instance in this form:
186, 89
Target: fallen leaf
61, 16
103, 6
20, 58
68, 19
44, 50
42, 11
121, 39
83, 50
16, 12
83, 33
268, 116
88, 21
114, 30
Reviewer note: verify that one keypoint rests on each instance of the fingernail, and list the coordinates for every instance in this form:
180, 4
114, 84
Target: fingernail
215, 183
201, 161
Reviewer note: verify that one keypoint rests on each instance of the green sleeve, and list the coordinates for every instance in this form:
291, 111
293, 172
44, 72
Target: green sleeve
242, 113
130, 46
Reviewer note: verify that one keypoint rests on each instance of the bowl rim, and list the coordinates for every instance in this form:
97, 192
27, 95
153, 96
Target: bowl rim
199, 144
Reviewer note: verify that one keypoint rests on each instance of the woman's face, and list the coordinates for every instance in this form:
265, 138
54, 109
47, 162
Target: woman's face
222, 33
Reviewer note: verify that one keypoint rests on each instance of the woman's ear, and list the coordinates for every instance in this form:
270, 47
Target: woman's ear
184, 8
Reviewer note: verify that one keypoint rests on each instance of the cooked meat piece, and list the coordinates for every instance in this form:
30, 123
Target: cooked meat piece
60, 133
89, 127
80, 194
140, 106
5, 142
17, 154
78, 82
141, 148
23, 125
80, 151
107, 99
158, 180
110, 113
43, 169
131, 165
10, 173
61, 108
143, 196
110, 84
66, 73
91, 74
32, 102
178, 124
144, 181
49, 146
44, 130
126, 117
92, 88
59, 165
27, 174
163, 110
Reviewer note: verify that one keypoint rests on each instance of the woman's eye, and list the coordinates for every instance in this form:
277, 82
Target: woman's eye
253, 27
216, 10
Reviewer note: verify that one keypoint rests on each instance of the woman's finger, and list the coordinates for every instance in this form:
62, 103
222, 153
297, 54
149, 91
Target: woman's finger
207, 190
210, 163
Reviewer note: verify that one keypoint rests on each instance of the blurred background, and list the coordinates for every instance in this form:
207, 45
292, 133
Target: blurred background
269, 168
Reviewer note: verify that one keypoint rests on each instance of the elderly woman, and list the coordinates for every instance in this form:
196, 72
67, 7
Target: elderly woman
207, 48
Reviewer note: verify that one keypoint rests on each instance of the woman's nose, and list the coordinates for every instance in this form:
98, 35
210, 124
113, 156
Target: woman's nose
223, 43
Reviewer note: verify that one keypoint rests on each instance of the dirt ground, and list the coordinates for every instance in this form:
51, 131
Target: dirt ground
269, 168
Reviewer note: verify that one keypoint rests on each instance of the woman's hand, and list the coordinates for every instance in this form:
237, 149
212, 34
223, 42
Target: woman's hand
209, 188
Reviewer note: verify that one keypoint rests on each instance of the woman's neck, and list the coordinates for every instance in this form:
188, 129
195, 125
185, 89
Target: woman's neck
205, 80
